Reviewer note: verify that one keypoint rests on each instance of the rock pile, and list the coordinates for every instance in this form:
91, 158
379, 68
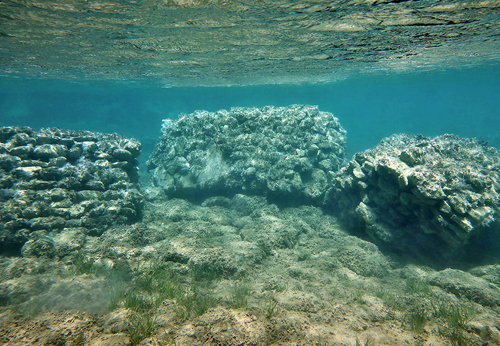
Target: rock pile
56, 179
288, 154
426, 195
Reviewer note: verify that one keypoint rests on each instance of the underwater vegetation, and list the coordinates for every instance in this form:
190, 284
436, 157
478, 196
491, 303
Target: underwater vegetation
141, 326
416, 320
239, 293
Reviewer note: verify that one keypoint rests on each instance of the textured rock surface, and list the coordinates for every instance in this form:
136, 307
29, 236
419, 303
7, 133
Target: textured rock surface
288, 153
428, 195
466, 285
56, 179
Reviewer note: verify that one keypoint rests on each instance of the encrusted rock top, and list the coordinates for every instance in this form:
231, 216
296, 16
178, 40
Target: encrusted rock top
287, 153
429, 195
54, 179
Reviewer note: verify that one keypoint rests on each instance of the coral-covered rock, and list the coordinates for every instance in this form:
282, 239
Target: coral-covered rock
54, 179
285, 153
426, 195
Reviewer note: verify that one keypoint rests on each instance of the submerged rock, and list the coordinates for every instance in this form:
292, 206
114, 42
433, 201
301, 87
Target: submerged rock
468, 286
426, 195
55, 179
285, 153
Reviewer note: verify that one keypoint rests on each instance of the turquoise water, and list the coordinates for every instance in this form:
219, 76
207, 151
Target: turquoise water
465, 102
349, 258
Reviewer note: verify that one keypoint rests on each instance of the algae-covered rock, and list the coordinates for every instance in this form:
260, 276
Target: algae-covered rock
490, 273
430, 196
55, 179
362, 257
466, 285
284, 153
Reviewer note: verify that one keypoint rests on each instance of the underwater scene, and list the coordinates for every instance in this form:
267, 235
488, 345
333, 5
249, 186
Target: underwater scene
243, 172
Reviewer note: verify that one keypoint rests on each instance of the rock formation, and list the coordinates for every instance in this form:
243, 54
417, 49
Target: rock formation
56, 179
426, 195
285, 153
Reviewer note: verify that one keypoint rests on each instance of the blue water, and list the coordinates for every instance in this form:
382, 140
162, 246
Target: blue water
464, 102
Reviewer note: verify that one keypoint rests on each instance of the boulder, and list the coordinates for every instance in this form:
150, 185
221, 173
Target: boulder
429, 196
55, 179
284, 153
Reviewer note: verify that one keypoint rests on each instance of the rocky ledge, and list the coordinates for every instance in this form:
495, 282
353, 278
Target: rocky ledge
430, 196
285, 153
56, 179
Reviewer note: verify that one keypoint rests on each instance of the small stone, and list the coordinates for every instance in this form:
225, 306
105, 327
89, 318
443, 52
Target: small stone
481, 213
423, 196
36, 184
35, 163
463, 222
57, 194
76, 211
75, 152
122, 155
20, 139
48, 151
25, 172
43, 247
124, 165
31, 212
58, 161
391, 166
45, 139
326, 165
358, 173
22, 151
67, 142
49, 222
88, 195
458, 204
95, 185
102, 163
445, 207
366, 213
104, 156
133, 146
410, 156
